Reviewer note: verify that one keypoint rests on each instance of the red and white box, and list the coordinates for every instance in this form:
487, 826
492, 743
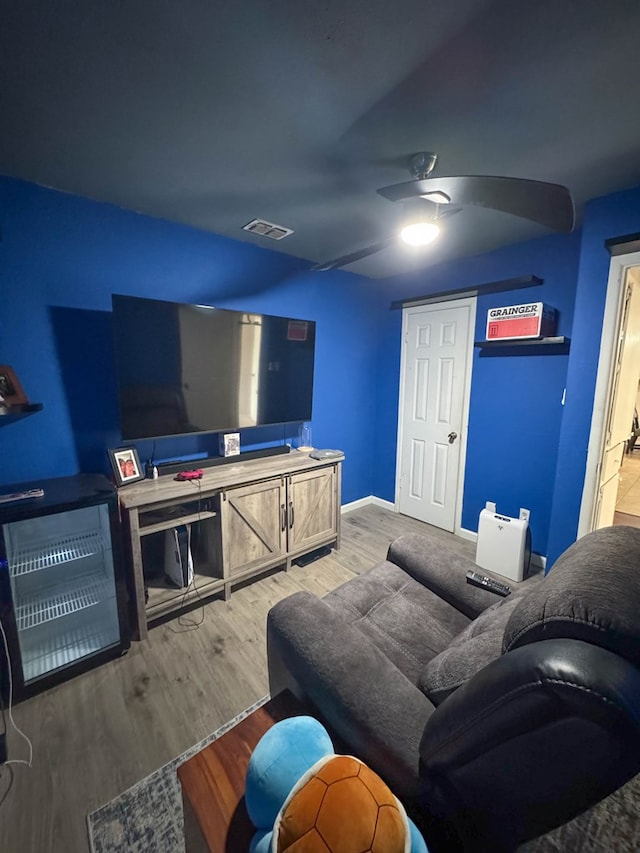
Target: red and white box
513, 322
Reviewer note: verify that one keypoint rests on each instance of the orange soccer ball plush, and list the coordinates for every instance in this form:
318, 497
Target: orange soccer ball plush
303, 798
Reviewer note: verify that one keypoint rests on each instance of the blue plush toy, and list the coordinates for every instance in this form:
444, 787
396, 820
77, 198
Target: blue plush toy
282, 756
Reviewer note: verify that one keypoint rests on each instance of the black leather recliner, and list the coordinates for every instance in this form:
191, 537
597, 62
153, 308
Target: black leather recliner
494, 721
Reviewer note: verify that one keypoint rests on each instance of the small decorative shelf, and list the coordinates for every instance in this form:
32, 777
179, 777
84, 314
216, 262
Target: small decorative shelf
557, 341
10, 414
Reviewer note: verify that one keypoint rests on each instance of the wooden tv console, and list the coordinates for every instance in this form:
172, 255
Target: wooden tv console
246, 517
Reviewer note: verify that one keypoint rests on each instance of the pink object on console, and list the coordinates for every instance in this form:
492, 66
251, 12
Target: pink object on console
190, 475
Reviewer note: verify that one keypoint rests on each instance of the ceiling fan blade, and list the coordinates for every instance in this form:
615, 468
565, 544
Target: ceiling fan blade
345, 260
549, 204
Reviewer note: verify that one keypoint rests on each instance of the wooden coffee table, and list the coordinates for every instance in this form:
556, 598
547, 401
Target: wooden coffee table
215, 816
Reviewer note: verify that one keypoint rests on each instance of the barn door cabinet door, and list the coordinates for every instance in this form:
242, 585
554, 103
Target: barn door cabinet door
311, 509
253, 527
265, 524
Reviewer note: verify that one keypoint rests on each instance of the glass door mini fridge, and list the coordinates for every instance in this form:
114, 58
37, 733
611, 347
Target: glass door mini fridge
63, 599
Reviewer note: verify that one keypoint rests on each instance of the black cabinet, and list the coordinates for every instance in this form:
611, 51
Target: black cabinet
63, 598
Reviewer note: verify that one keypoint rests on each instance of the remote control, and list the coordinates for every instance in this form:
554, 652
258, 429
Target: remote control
476, 579
21, 496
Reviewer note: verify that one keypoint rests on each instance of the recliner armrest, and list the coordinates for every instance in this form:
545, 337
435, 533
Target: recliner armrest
363, 697
442, 570
536, 737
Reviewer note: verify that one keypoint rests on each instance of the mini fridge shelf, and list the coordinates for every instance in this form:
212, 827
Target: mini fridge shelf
44, 556
62, 600
63, 649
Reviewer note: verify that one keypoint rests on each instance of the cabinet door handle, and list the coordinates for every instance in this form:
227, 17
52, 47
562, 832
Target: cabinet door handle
283, 517
291, 514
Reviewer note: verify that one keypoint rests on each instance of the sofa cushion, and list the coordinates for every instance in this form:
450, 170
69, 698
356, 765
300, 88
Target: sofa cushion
591, 594
475, 647
404, 619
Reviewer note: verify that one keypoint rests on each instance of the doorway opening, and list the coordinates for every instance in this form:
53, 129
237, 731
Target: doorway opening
611, 494
627, 510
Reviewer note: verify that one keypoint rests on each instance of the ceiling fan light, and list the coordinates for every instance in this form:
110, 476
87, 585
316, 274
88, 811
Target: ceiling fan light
419, 233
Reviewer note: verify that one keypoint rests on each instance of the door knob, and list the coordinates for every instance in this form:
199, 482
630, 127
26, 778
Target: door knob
452, 437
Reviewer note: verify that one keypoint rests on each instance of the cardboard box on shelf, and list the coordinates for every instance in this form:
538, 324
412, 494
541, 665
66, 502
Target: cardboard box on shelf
513, 322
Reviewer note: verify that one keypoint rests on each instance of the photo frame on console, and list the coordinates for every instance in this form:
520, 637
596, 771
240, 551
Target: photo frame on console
126, 465
11, 393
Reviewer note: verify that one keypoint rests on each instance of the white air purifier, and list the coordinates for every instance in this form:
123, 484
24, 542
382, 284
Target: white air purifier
503, 543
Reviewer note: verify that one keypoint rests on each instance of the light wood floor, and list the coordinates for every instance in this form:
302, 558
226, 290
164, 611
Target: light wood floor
628, 498
96, 735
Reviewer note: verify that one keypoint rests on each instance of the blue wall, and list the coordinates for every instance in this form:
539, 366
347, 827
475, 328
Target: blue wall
515, 407
61, 257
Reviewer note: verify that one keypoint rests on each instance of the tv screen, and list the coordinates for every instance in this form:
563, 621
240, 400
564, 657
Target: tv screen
193, 368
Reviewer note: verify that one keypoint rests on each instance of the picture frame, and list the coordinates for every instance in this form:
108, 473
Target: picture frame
229, 444
126, 465
11, 392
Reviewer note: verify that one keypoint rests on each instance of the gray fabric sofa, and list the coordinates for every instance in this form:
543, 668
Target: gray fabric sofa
494, 719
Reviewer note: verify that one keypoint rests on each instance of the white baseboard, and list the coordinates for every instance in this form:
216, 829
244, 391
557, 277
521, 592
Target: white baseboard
383, 504
355, 505
370, 499
463, 533
539, 560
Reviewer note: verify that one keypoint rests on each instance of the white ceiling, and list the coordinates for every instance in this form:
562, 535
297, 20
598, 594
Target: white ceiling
212, 113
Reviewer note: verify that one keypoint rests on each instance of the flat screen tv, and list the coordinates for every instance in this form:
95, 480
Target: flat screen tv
185, 369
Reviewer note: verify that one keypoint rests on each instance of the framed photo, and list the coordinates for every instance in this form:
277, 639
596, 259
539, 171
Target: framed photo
126, 465
229, 444
11, 393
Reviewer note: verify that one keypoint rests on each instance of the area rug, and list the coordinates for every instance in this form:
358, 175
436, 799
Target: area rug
148, 816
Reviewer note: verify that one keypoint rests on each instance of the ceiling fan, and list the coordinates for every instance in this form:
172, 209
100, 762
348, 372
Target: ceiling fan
548, 204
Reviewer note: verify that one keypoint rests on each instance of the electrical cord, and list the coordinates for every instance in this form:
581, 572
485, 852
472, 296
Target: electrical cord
12, 721
4, 721
10, 773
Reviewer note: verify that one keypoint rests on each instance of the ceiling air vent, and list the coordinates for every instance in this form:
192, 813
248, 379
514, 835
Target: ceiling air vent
267, 229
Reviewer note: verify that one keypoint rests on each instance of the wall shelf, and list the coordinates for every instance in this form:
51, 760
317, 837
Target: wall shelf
559, 341
10, 414
475, 290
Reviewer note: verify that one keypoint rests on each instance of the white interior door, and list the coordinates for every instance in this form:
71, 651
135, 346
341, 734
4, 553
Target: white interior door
624, 387
436, 366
